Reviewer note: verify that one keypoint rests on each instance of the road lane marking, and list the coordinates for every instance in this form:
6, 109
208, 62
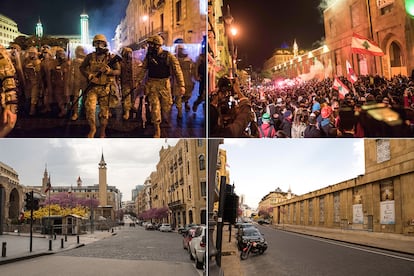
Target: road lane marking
339, 243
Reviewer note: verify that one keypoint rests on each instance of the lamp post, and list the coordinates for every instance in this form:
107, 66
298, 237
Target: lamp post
145, 18
231, 32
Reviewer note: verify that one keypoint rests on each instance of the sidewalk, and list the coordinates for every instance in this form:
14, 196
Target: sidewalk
230, 259
18, 244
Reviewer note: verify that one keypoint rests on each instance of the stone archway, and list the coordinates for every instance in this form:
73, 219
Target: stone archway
396, 58
14, 204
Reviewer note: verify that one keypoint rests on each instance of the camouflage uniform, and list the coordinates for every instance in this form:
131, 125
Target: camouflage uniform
59, 78
187, 67
158, 87
77, 81
8, 95
31, 69
46, 66
103, 84
127, 80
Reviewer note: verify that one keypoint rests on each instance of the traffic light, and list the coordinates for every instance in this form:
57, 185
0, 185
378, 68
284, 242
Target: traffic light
231, 206
35, 204
28, 201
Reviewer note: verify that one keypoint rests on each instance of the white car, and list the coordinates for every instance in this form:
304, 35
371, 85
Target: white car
165, 228
197, 246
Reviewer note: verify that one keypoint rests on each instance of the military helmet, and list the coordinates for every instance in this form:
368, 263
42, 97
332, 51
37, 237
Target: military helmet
100, 37
126, 50
80, 51
32, 50
156, 39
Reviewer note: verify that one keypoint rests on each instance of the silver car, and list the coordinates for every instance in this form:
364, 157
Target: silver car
165, 228
197, 246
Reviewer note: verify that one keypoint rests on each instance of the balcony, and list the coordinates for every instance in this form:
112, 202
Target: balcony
176, 204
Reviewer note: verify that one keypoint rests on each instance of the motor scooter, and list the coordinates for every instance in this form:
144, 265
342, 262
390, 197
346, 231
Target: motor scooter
253, 247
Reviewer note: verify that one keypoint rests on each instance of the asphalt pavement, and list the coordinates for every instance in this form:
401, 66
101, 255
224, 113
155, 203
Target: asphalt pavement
387, 241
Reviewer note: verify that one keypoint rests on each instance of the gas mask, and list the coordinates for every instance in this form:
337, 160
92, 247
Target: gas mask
100, 47
153, 49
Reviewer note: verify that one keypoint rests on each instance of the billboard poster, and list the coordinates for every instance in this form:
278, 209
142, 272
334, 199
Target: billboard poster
387, 212
358, 215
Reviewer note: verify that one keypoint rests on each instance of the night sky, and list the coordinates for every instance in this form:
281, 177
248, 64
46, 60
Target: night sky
266, 25
62, 17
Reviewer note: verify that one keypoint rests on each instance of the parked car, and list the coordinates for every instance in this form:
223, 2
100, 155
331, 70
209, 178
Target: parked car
165, 227
263, 221
197, 246
241, 226
250, 234
184, 228
187, 236
149, 226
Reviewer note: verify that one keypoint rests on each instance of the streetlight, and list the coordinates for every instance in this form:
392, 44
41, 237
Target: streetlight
145, 18
228, 20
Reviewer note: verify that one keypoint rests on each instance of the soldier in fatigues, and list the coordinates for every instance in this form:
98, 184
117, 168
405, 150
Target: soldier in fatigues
77, 81
159, 64
102, 82
187, 67
31, 69
59, 77
46, 66
8, 95
127, 81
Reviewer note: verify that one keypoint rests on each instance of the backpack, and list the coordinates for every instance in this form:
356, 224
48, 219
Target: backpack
269, 132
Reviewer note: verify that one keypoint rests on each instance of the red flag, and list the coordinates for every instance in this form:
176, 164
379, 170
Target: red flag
362, 45
342, 89
352, 77
48, 186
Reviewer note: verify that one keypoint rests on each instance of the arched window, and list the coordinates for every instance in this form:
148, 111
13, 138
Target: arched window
201, 162
395, 55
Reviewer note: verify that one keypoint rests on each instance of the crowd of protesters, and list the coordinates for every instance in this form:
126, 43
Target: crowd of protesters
373, 107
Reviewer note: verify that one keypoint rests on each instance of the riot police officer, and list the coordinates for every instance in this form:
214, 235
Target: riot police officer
31, 69
159, 63
102, 84
8, 95
77, 81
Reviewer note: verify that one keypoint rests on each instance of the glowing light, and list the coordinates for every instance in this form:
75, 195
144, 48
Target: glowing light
325, 49
310, 55
409, 6
145, 18
233, 31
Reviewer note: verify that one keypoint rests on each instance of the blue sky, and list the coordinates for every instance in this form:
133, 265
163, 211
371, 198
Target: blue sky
258, 166
129, 161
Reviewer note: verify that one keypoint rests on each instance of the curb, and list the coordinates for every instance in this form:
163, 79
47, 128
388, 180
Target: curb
35, 255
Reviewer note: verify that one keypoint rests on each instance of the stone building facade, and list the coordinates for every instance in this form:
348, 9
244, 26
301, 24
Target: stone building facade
387, 23
8, 30
273, 198
176, 21
381, 200
180, 183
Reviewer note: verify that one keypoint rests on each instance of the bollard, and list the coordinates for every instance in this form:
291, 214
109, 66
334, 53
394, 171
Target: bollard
112, 230
3, 249
66, 238
54, 236
61, 243
50, 245
77, 239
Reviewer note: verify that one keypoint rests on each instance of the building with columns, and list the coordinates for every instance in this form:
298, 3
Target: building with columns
381, 200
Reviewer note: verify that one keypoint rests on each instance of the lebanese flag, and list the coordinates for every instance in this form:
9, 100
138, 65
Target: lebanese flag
362, 45
352, 77
342, 89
